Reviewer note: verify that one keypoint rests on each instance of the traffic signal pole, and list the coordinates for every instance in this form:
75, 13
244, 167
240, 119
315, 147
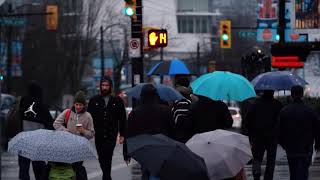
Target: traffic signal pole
136, 32
282, 23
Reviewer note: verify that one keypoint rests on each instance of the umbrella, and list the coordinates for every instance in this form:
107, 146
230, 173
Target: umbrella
48, 145
224, 152
166, 158
277, 80
165, 92
223, 85
172, 67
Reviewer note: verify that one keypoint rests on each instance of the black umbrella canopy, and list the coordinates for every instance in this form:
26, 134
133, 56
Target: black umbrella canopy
166, 158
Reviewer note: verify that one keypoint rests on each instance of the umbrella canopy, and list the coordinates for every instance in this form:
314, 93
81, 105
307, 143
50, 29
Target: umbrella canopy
165, 92
48, 145
172, 68
277, 80
166, 158
223, 85
224, 152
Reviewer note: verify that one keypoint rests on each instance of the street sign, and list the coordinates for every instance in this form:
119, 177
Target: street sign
12, 21
157, 38
286, 62
134, 48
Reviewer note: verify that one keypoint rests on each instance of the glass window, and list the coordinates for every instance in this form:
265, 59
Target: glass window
198, 25
204, 26
307, 14
190, 24
193, 5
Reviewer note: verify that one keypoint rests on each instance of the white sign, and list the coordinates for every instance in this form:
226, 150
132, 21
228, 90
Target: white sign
134, 48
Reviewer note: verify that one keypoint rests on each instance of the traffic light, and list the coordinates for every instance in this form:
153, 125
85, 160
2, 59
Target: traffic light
52, 17
225, 34
157, 38
130, 8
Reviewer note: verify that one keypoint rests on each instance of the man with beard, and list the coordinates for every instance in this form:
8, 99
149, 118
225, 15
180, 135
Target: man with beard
109, 118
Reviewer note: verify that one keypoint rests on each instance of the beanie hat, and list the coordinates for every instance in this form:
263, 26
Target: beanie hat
80, 97
106, 78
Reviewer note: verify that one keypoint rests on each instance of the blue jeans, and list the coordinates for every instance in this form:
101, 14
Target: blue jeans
299, 167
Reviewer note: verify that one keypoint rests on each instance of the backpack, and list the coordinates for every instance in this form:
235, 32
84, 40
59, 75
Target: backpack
67, 118
14, 119
61, 172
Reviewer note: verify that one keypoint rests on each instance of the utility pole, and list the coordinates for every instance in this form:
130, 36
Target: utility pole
198, 59
136, 32
282, 23
102, 51
161, 60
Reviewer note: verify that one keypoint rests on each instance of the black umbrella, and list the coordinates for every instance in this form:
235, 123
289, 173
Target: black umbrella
166, 158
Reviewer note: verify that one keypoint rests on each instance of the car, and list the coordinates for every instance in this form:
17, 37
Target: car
6, 103
236, 116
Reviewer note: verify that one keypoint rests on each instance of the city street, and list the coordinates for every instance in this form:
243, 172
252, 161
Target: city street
120, 171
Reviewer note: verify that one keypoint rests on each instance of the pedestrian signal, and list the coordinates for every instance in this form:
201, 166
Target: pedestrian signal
225, 34
157, 38
52, 17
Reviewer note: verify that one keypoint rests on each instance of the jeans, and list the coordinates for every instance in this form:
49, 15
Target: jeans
259, 146
24, 166
105, 153
299, 167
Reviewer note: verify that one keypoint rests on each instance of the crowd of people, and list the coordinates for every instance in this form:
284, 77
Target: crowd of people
267, 123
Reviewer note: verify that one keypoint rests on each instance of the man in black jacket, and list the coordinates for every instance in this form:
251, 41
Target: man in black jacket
34, 115
109, 119
261, 122
298, 130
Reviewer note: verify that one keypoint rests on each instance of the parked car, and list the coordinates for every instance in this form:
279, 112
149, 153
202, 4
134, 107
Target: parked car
6, 103
236, 116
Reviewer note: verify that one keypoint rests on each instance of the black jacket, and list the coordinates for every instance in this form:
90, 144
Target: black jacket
262, 118
299, 128
209, 115
43, 115
108, 119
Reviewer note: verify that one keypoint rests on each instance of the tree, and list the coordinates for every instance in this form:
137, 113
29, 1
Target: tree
59, 59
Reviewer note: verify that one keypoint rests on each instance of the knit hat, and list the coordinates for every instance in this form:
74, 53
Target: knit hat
106, 78
80, 97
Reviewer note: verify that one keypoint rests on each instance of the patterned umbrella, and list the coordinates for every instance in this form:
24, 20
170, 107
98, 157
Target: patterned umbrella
277, 80
48, 145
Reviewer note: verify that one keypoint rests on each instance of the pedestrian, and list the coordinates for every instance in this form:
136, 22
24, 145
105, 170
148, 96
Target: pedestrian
208, 115
181, 121
150, 117
77, 121
109, 118
261, 123
299, 129
34, 115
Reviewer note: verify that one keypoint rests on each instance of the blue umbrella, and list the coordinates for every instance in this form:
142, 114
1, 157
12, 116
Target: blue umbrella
223, 85
165, 92
171, 68
277, 80
48, 145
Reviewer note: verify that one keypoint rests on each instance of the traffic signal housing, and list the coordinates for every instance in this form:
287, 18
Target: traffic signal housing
130, 8
157, 38
52, 17
225, 34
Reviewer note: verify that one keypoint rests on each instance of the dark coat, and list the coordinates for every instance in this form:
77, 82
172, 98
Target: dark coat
108, 119
209, 115
298, 129
262, 118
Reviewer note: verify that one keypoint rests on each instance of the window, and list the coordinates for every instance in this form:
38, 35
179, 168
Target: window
193, 24
193, 5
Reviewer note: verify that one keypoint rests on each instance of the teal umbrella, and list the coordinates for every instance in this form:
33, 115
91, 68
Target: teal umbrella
223, 85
